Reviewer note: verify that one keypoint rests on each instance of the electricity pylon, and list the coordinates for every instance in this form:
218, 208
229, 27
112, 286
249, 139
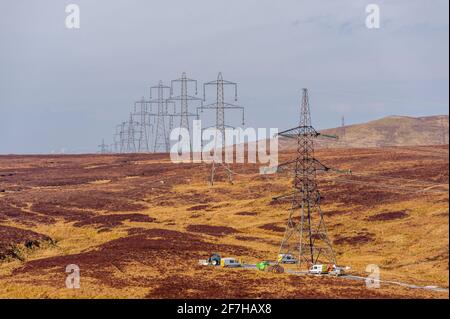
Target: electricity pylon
103, 147
116, 139
220, 106
306, 233
132, 129
184, 99
142, 110
161, 142
121, 134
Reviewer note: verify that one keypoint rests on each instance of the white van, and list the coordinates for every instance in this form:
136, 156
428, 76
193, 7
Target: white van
318, 269
230, 262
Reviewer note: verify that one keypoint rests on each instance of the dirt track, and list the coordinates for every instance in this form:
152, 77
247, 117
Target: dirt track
137, 224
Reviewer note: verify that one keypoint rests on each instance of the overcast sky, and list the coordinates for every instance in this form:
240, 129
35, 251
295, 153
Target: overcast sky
66, 89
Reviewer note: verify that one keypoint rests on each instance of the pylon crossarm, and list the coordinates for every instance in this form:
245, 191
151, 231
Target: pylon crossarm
328, 136
307, 131
209, 106
177, 114
188, 97
232, 106
341, 171
215, 82
208, 127
284, 196
287, 163
214, 106
320, 166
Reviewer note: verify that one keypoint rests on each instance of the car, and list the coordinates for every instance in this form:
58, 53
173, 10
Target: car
337, 271
286, 259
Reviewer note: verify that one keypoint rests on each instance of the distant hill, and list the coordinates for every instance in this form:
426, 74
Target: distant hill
388, 131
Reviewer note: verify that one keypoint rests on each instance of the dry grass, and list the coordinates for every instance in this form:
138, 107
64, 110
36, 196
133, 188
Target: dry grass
410, 247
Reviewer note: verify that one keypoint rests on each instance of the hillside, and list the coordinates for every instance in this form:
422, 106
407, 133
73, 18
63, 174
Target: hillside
136, 225
388, 131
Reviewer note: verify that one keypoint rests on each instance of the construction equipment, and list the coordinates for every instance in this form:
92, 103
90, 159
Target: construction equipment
262, 265
269, 267
276, 269
230, 262
214, 260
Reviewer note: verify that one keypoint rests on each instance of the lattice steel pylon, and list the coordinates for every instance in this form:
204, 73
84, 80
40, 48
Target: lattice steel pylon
142, 110
220, 106
161, 142
103, 147
184, 99
116, 139
132, 129
306, 234
121, 134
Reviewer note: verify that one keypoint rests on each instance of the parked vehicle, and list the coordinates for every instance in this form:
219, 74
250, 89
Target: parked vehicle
337, 271
286, 259
318, 269
230, 262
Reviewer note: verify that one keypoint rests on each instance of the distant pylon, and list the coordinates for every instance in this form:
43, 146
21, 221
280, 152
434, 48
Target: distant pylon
103, 147
122, 140
117, 138
342, 127
131, 132
142, 109
112, 147
220, 106
306, 233
184, 98
161, 142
